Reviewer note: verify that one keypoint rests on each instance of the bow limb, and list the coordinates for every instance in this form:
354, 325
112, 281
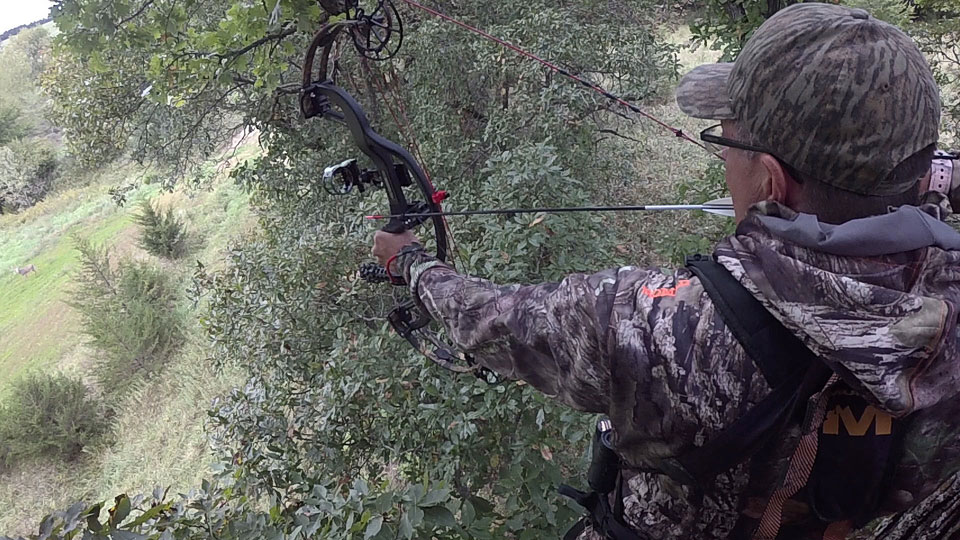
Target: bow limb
392, 160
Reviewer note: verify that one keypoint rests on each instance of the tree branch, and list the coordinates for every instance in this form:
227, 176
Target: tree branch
265, 39
616, 133
136, 14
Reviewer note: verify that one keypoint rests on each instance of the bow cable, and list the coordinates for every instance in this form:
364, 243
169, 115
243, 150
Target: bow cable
593, 86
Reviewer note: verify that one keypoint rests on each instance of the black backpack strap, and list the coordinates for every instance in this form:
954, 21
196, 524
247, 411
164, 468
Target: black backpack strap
788, 366
774, 349
605, 480
600, 515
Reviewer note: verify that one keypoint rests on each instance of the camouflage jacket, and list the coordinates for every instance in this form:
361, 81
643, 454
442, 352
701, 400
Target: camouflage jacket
876, 299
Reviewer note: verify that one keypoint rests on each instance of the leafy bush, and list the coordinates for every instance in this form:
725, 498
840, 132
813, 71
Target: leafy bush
130, 315
334, 512
161, 232
936, 28
28, 169
11, 124
676, 243
726, 26
22, 60
896, 12
48, 415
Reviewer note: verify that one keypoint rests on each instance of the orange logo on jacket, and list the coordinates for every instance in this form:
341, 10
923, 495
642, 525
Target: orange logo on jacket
667, 291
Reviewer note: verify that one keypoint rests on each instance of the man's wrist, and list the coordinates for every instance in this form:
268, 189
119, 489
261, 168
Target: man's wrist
949, 177
401, 261
412, 262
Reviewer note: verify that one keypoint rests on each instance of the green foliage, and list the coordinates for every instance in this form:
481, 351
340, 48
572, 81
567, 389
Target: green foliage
342, 429
48, 415
161, 233
96, 119
11, 124
896, 12
677, 245
338, 512
725, 25
177, 78
22, 61
129, 314
31, 46
936, 32
28, 169
27, 164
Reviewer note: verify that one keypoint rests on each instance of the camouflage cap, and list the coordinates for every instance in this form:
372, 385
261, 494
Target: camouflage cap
833, 92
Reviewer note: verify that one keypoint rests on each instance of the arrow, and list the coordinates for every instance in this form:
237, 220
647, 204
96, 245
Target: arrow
721, 207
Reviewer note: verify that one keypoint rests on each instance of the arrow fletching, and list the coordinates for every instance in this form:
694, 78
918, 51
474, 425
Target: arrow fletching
720, 207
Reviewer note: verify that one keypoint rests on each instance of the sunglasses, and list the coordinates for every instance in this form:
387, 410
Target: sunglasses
714, 140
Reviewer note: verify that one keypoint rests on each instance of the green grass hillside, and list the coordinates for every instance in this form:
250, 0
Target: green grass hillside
40, 332
36, 326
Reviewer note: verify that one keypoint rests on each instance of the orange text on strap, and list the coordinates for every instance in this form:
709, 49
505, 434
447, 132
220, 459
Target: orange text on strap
668, 291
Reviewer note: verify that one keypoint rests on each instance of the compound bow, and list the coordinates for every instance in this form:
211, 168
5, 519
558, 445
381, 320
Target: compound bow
376, 36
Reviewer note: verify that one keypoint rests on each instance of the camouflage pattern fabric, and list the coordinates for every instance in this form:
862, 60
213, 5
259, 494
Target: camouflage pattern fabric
647, 348
702, 93
840, 96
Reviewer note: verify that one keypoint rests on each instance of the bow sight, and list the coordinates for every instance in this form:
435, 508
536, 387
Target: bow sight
340, 179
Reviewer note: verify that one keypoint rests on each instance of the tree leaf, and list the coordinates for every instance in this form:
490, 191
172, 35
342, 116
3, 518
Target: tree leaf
373, 527
439, 516
406, 529
120, 510
435, 497
467, 513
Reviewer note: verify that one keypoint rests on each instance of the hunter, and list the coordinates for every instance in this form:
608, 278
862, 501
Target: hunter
802, 380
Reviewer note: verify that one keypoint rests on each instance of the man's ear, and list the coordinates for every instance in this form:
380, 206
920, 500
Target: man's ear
780, 186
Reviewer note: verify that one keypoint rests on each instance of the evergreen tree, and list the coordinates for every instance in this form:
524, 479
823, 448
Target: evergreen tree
161, 233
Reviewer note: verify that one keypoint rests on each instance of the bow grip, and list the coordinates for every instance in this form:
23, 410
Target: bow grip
395, 226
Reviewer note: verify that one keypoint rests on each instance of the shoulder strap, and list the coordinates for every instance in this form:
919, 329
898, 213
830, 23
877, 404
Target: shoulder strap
774, 349
789, 367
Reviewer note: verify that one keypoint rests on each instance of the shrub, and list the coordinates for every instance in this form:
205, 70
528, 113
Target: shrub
49, 415
28, 169
129, 314
161, 234
11, 123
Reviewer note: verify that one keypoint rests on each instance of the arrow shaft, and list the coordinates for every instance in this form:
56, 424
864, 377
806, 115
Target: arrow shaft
567, 209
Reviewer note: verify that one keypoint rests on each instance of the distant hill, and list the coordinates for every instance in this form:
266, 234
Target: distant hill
17, 29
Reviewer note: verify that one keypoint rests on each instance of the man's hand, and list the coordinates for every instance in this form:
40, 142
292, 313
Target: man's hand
386, 245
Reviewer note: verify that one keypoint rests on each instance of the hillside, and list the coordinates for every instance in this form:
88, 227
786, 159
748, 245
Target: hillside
8, 34
40, 333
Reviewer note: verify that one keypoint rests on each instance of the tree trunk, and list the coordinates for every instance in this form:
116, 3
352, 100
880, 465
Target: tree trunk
936, 518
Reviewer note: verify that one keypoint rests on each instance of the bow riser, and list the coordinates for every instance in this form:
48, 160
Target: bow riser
387, 156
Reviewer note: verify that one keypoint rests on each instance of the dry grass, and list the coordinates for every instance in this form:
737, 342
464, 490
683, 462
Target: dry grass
157, 440
665, 162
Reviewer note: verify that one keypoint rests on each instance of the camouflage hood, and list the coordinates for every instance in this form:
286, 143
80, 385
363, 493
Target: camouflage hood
876, 298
